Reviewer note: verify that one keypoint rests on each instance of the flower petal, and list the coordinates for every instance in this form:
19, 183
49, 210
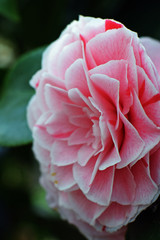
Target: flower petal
152, 47
75, 77
123, 187
101, 187
84, 172
147, 130
69, 54
116, 215
146, 189
155, 166
62, 177
87, 210
132, 144
110, 45
55, 97
62, 154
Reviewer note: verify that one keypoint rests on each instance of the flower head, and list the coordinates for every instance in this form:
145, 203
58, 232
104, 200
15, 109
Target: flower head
96, 125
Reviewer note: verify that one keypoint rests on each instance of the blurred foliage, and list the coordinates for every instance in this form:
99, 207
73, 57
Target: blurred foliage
17, 92
26, 25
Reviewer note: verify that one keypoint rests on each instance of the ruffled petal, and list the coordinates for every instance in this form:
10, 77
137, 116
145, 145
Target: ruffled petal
152, 47
147, 130
75, 77
84, 172
62, 154
55, 97
116, 215
124, 187
62, 177
155, 166
146, 189
110, 45
132, 144
101, 188
87, 210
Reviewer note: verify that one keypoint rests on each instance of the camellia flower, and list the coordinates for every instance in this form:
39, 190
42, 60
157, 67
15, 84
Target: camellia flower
95, 119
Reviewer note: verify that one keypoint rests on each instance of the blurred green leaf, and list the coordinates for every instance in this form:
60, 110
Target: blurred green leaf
16, 94
9, 9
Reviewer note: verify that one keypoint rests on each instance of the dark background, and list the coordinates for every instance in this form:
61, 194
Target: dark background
24, 214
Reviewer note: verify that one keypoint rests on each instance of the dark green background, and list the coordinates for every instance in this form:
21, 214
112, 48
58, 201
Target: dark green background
29, 24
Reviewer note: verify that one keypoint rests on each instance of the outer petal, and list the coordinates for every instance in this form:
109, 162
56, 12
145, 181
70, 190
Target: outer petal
67, 56
111, 45
146, 189
87, 210
124, 187
155, 166
147, 130
116, 215
33, 112
51, 54
62, 177
152, 47
101, 188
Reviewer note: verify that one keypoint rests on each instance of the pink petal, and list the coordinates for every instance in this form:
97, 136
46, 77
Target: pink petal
116, 215
87, 210
42, 154
45, 79
105, 135
150, 69
52, 197
84, 172
51, 54
40, 134
105, 92
117, 136
152, 47
146, 189
108, 87
92, 28
110, 159
101, 187
75, 77
85, 102
55, 97
145, 127
78, 137
62, 154
71, 109
69, 54
33, 112
63, 177
111, 24
58, 125
81, 121
117, 69
89, 60
155, 166
146, 88
77, 97
110, 45
123, 191
84, 154
132, 144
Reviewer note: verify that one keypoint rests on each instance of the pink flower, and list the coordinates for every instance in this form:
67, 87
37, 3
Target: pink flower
95, 120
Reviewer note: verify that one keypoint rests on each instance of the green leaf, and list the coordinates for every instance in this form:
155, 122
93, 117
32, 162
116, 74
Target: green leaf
16, 94
9, 9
